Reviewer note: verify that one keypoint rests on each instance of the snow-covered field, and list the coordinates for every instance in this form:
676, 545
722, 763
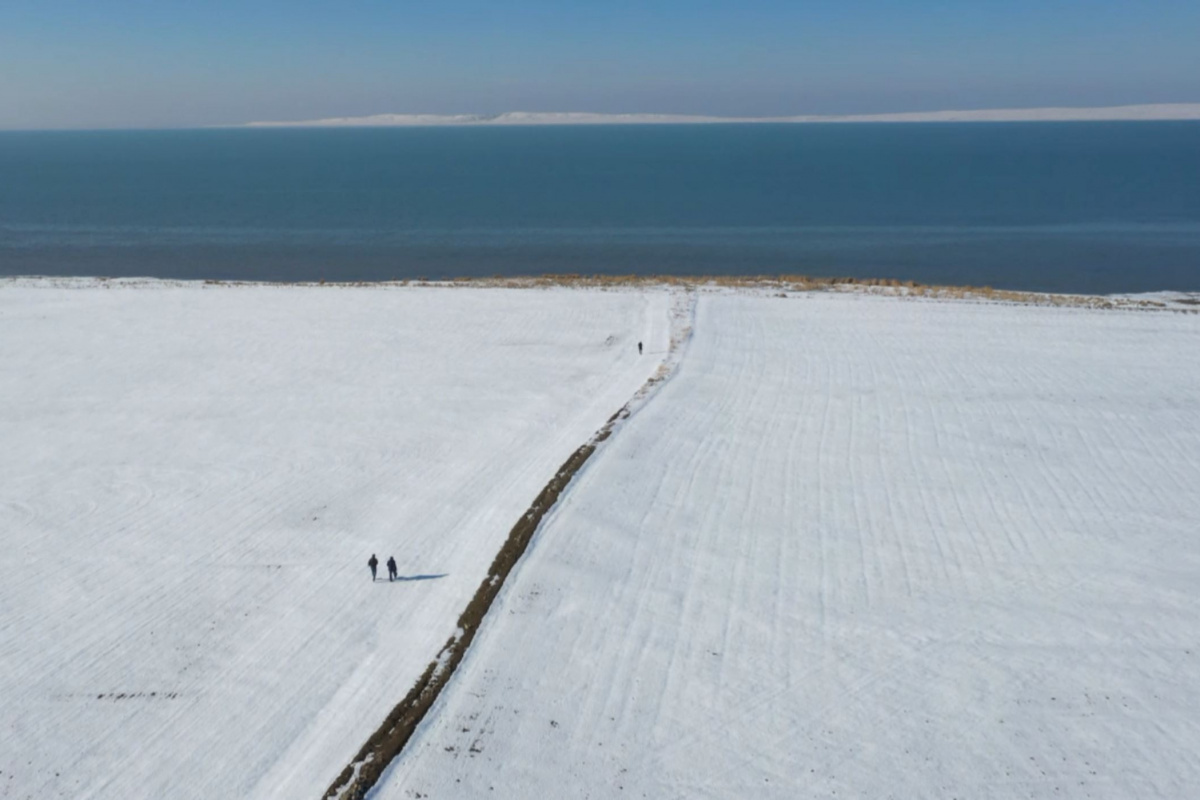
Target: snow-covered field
855, 546
191, 482
860, 547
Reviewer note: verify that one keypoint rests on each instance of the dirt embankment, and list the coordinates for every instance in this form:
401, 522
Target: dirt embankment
386, 743
363, 772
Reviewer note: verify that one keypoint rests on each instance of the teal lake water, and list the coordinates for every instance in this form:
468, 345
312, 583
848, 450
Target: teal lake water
1086, 207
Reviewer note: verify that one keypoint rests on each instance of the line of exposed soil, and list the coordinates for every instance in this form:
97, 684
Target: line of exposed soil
387, 742
390, 738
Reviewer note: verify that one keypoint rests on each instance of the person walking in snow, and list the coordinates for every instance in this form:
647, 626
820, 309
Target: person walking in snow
373, 563
392, 574
639, 348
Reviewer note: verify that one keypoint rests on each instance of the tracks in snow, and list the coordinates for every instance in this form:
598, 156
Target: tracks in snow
387, 742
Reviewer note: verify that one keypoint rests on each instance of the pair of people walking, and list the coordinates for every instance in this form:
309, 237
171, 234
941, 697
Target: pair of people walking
373, 563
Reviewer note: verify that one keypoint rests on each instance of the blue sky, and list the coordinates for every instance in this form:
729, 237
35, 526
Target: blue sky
138, 63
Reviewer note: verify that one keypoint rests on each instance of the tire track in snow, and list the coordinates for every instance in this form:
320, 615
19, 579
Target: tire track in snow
388, 741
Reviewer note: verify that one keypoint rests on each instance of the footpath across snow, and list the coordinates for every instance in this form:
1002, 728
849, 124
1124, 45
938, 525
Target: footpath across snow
192, 479
860, 547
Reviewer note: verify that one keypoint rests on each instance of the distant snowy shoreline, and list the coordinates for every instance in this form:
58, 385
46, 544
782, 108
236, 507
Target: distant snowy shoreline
1144, 113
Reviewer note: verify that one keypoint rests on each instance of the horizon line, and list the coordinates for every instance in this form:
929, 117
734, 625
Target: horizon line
1143, 112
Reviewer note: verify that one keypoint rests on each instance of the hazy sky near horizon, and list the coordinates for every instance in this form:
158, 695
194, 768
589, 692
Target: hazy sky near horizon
141, 63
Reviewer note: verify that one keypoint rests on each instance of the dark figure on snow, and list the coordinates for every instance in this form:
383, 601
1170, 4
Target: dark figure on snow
639, 348
373, 564
392, 574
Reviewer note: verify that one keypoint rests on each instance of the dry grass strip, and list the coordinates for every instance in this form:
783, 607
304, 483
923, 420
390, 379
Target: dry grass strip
776, 284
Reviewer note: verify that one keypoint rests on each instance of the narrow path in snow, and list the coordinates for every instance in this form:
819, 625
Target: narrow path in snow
387, 742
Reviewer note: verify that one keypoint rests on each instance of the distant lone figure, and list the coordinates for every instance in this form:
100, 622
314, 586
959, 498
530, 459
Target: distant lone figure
373, 563
639, 348
392, 574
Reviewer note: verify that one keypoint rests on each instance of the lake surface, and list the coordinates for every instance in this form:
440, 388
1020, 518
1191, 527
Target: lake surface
1084, 207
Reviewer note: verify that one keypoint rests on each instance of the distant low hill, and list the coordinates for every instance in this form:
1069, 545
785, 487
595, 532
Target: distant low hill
1163, 111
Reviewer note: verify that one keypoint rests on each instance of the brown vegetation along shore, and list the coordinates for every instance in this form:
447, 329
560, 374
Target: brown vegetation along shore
1182, 302
808, 283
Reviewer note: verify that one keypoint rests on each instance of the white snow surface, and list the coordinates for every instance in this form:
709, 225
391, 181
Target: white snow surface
192, 479
860, 547
1159, 111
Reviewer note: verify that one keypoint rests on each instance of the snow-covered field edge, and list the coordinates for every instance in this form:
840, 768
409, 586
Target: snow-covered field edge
389, 740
